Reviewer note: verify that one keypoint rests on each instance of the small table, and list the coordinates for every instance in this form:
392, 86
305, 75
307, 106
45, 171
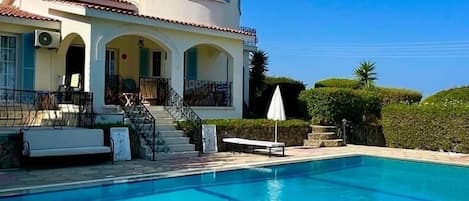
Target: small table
128, 98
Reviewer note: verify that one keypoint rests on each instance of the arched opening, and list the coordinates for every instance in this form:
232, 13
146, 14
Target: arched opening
74, 62
208, 76
136, 64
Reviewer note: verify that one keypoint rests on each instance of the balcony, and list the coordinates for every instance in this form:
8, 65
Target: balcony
251, 43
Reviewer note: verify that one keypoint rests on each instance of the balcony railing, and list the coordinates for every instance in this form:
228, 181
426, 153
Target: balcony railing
207, 93
250, 42
28, 108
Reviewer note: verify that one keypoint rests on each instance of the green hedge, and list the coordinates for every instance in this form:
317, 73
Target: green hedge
292, 132
328, 106
395, 95
338, 83
290, 90
451, 96
429, 127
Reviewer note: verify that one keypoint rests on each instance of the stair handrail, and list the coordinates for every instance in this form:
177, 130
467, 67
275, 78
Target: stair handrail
139, 103
174, 101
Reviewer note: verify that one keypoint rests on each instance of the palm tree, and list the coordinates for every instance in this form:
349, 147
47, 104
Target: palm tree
257, 70
365, 74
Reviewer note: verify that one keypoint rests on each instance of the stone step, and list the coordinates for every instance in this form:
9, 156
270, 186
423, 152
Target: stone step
166, 127
322, 136
172, 140
164, 121
172, 133
323, 129
158, 115
174, 155
157, 109
324, 143
181, 147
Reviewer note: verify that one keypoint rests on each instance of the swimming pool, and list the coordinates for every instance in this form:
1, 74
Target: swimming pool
349, 178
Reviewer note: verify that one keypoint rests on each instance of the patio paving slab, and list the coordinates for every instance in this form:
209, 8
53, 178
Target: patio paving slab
20, 179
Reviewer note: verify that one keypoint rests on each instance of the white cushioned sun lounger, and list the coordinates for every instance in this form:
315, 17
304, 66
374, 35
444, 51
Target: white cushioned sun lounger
256, 143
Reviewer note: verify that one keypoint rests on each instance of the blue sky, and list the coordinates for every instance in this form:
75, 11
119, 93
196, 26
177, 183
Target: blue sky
418, 44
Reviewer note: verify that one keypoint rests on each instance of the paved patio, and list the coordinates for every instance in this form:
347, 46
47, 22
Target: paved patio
34, 180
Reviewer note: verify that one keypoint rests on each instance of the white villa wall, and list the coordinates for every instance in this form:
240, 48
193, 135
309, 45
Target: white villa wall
213, 12
212, 64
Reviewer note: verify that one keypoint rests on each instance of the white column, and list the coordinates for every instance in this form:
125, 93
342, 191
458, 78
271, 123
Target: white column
238, 83
177, 73
95, 73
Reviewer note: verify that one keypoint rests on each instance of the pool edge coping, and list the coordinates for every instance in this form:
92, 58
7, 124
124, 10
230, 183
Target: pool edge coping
11, 192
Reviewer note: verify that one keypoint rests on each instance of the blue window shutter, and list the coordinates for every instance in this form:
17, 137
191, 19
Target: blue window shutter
143, 62
28, 61
191, 71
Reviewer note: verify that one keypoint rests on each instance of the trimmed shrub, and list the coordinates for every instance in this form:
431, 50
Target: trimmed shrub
338, 83
290, 90
328, 106
395, 95
429, 127
451, 96
292, 132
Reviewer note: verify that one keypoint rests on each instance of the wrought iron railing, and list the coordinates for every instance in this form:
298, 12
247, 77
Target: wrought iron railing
29, 108
144, 123
179, 109
207, 93
154, 90
250, 42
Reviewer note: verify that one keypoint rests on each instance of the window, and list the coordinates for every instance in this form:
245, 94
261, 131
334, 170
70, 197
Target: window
111, 67
8, 61
156, 64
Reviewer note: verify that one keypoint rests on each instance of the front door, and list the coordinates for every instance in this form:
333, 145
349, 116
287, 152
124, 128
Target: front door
75, 63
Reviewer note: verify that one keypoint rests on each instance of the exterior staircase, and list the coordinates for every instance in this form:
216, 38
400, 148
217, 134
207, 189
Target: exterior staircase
176, 141
323, 136
170, 142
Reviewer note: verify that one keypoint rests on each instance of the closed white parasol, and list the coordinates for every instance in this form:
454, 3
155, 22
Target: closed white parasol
276, 110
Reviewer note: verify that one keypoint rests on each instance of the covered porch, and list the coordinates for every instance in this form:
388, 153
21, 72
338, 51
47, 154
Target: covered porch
138, 68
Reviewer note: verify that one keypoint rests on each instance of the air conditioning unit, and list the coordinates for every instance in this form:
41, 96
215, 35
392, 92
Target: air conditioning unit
47, 39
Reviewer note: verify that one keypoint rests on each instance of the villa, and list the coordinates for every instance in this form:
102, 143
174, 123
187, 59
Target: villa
149, 45
74, 63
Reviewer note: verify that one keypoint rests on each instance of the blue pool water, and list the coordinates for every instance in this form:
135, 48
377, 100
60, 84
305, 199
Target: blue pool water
351, 178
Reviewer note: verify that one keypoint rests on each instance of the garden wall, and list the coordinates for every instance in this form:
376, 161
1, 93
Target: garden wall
10, 150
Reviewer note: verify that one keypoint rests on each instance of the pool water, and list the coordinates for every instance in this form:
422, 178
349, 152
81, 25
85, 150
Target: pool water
351, 178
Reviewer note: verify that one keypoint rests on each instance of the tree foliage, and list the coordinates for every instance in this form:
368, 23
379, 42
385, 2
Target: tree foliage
365, 74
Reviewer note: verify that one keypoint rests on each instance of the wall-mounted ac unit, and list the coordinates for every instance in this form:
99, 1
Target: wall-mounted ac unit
47, 39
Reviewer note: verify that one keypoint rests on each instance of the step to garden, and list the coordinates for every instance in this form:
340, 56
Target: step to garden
181, 147
166, 127
171, 133
322, 129
322, 136
174, 155
171, 140
324, 143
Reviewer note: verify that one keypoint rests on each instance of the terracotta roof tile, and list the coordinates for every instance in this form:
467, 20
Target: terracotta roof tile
11, 11
126, 12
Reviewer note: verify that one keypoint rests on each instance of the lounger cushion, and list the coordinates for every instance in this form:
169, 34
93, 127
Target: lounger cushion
70, 151
253, 142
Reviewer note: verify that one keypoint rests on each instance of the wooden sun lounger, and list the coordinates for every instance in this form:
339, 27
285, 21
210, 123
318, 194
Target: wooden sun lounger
256, 143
